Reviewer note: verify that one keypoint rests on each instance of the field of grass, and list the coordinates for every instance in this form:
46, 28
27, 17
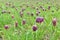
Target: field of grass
18, 18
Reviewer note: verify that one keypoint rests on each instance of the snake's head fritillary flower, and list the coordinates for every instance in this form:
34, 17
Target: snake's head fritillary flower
16, 24
39, 19
12, 16
34, 27
6, 26
54, 21
23, 22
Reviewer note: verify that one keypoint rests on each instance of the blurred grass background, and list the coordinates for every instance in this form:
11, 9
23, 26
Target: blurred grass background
20, 2
53, 2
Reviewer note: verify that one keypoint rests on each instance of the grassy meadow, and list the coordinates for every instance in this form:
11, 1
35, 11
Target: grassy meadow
29, 20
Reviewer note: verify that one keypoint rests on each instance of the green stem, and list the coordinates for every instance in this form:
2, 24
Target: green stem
34, 35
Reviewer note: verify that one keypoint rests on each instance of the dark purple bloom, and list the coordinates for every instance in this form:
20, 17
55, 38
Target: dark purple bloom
6, 26
34, 28
21, 14
49, 7
23, 22
16, 24
54, 21
39, 19
12, 16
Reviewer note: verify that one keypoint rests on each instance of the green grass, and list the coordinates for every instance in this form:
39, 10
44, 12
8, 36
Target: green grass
24, 32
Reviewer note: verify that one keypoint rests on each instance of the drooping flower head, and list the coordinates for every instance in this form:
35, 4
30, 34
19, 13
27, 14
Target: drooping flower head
39, 19
23, 22
6, 26
34, 27
54, 21
16, 24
